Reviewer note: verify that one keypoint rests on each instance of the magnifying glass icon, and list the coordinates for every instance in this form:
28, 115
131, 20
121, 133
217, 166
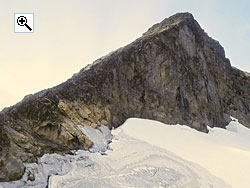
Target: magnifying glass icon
22, 21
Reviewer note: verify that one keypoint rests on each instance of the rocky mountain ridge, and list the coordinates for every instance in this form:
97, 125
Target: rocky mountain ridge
174, 73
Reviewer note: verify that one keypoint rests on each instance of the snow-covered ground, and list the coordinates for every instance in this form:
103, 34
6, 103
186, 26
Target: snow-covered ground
134, 163
224, 153
146, 153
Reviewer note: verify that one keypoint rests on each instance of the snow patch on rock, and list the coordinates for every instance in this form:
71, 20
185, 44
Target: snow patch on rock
100, 137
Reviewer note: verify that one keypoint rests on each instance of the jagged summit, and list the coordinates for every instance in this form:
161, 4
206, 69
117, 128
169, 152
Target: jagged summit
175, 73
175, 20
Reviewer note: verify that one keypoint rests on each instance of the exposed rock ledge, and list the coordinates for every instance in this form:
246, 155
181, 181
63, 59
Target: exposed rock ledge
174, 73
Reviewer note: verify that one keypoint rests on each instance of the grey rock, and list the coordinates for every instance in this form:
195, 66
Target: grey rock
174, 73
31, 176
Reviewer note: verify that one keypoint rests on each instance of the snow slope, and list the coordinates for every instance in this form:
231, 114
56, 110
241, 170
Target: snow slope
149, 154
224, 153
134, 163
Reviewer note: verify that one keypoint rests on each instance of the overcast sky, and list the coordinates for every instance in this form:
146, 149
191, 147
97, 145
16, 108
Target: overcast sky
70, 34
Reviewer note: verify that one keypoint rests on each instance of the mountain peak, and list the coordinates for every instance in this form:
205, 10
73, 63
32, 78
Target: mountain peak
175, 74
174, 20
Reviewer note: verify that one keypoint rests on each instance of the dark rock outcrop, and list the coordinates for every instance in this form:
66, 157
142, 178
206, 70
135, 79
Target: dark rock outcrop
174, 73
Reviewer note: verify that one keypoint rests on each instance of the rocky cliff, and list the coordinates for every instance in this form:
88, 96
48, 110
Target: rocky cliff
174, 73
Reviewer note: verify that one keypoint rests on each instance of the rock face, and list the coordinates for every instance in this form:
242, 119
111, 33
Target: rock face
174, 73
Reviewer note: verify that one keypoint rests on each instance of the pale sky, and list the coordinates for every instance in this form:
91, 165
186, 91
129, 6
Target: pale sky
69, 34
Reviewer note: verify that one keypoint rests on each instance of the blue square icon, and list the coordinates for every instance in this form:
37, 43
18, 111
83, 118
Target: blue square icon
23, 22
